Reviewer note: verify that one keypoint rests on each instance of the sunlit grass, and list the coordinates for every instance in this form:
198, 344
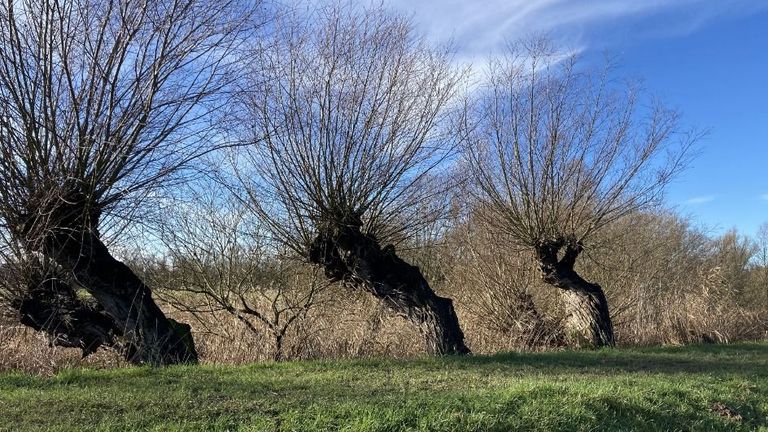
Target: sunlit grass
621, 389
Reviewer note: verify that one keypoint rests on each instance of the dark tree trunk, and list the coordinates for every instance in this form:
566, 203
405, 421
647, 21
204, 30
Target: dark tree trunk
589, 320
277, 355
65, 232
158, 339
53, 307
357, 259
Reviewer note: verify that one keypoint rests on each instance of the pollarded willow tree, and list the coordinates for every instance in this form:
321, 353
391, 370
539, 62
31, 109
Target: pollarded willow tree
347, 106
556, 154
101, 103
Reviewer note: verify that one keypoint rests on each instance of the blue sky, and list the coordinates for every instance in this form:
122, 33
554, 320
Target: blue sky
706, 58
717, 75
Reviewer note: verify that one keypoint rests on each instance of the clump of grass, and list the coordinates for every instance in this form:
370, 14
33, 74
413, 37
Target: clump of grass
622, 389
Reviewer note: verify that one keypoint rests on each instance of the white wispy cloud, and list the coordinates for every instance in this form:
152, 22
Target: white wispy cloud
481, 27
764, 196
699, 200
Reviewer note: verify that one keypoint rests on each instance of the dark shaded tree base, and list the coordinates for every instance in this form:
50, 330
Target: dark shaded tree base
158, 339
348, 255
67, 236
53, 307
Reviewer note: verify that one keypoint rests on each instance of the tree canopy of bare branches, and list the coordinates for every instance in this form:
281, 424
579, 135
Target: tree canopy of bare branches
557, 152
347, 108
100, 103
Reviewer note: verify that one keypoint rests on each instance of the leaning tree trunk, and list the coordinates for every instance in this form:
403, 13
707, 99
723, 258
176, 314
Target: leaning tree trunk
357, 259
51, 306
158, 339
589, 321
66, 234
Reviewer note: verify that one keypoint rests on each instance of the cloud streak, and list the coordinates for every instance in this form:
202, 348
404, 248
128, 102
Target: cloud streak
699, 200
481, 27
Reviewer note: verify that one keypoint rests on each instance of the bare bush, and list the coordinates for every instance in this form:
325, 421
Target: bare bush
759, 273
499, 293
668, 284
219, 259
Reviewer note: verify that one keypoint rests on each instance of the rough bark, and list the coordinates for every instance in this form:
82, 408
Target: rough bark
158, 339
589, 320
357, 259
71, 242
53, 307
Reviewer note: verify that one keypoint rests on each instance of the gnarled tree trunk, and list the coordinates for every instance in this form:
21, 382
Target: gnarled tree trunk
589, 320
357, 259
51, 306
158, 339
69, 238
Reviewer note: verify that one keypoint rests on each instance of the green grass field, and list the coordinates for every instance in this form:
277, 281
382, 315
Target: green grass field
703, 387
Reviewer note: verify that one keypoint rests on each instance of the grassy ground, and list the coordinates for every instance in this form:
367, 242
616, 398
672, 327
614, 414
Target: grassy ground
712, 387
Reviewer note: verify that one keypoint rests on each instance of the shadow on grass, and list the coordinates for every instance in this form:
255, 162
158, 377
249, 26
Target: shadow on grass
742, 359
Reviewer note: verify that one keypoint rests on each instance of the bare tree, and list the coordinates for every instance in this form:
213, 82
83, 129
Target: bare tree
102, 102
733, 253
221, 260
347, 106
761, 262
557, 154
